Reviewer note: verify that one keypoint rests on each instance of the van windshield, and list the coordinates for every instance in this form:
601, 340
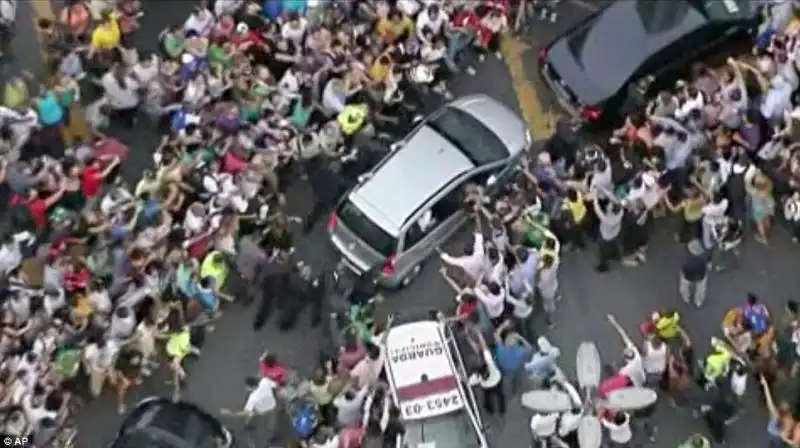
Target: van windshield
470, 136
366, 230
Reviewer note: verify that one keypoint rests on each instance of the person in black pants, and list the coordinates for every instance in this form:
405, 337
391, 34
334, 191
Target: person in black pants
304, 289
274, 282
326, 186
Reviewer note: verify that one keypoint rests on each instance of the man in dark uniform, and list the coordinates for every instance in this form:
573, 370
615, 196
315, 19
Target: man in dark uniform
304, 289
274, 279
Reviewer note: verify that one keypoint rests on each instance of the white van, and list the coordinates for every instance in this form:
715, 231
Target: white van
428, 385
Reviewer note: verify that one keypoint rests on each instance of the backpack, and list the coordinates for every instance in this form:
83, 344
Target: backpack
304, 419
756, 316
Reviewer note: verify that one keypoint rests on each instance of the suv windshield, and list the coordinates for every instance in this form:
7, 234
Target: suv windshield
454, 430
369, 232
473, 138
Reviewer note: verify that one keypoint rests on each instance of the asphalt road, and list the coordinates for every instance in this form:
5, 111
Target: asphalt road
230, 354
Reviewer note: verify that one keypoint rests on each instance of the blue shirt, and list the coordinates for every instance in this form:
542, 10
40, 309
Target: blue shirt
206, 296
526, 272
510, 358
541, 364
50, 110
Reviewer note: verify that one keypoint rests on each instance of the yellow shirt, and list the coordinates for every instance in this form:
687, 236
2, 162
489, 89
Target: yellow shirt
378, 71
106, 35
404, 25
577, 208
387, 29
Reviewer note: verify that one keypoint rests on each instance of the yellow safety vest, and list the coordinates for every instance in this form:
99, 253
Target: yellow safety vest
717, 364
667, 327
211, 269
179, 345
351, 118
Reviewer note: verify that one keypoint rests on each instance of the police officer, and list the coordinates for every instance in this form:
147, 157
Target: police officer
304, 289
274, 279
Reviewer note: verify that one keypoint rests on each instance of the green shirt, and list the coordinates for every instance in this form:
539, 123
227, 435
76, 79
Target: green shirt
218, 55
174, 45
534, 235
68, 97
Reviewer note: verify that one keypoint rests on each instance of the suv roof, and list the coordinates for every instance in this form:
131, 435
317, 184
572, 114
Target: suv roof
421, 371
408, 178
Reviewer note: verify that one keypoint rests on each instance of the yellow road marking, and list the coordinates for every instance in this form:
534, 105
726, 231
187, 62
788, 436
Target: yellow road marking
540, 120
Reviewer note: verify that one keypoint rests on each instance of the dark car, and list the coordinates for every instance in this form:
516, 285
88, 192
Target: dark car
638, 47
162, 423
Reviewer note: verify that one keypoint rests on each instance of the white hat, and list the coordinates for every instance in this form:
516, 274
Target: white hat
544, 345
187, 58
242, 28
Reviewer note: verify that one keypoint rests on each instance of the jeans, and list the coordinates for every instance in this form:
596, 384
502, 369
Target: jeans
457, 43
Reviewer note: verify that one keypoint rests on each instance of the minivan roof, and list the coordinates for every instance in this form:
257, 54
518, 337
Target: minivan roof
410, 176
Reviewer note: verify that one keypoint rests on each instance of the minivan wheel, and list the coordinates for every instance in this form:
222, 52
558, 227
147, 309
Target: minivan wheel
412, 274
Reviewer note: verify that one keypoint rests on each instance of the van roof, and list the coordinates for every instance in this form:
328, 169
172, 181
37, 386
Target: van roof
410, 176
425, 383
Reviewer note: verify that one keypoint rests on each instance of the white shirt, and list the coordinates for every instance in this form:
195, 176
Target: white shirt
222, 7
410, 7
738, 383
634, 368
262, 399
202, 23
434, 24
473, 265
715, 213
495, 303
689, 105
522, 309
10, 257
569, 423
544, 425
654, 360
119, 97
619, 433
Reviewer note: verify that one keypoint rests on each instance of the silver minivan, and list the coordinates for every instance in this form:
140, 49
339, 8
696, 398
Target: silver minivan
410, 202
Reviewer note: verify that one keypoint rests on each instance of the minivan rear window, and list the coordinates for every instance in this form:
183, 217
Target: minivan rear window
367, 231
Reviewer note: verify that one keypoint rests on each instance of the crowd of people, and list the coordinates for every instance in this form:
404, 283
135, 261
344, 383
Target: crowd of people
106, 280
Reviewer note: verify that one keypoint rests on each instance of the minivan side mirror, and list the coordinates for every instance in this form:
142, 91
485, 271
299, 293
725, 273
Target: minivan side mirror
417, 119
395, 146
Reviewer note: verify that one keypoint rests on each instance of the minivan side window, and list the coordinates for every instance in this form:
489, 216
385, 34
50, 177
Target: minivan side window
425, 223
447, 205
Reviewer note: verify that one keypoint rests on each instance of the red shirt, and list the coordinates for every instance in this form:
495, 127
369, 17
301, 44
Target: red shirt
250, 37
91, 181
76, 280
276, 373
466, 18
38, 210
465, 309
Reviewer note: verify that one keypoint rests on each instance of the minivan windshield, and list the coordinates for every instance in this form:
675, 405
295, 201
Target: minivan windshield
469, 135
367, 231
